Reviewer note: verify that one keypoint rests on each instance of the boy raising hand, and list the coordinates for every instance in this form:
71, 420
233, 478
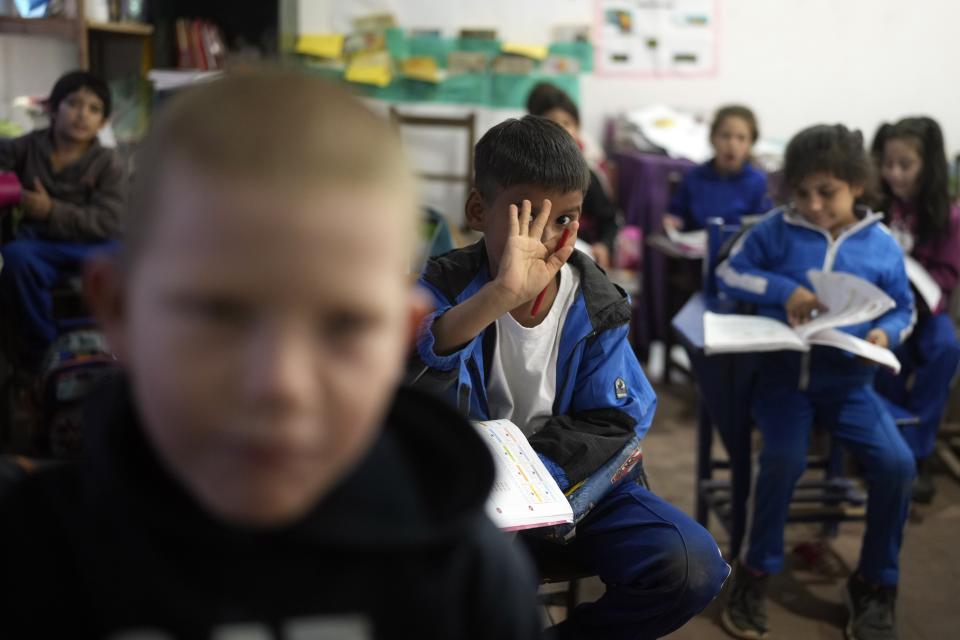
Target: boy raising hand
525, 268
564, 372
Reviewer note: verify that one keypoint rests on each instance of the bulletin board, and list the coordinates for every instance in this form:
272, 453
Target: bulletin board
656, 38
482, 86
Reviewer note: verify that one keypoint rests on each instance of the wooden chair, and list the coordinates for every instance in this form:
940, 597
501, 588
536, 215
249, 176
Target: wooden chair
466, 125
557, 564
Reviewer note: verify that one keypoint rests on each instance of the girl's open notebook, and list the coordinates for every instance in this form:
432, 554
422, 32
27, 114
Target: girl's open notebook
524, 495
849, 300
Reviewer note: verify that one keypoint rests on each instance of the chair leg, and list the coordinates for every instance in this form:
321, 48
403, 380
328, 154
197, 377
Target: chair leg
948, 458
573, 594
833, 470
704, 466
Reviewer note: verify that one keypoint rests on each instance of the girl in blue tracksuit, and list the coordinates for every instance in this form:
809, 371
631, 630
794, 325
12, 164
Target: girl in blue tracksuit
727, 186
825, 229
913, 168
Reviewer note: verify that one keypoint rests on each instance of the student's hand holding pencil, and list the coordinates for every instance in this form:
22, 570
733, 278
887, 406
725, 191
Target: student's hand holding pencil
803, 306
527, 265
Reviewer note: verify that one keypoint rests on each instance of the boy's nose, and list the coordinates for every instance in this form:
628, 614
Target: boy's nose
279, 369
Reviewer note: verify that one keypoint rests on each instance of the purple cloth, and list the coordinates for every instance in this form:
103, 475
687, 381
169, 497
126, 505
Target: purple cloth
644, 192
941, 255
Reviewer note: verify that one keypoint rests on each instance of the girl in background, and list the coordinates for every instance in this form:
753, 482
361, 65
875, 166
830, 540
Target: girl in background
727, 186
913, 168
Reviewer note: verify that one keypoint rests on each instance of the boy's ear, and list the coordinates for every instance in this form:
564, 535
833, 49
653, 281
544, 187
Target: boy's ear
857, 190
474, 211
104, 292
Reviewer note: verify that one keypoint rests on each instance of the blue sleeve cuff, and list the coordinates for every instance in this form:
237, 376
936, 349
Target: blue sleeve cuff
426, 342
559, 475
782, 289
893, 329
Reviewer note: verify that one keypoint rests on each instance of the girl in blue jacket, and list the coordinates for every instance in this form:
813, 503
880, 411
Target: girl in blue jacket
825, 229
727, 186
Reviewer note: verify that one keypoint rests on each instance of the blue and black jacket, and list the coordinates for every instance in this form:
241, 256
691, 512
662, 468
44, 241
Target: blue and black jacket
773, 258
604, 401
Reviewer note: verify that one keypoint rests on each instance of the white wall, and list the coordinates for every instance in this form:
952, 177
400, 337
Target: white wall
796, 62
30, 65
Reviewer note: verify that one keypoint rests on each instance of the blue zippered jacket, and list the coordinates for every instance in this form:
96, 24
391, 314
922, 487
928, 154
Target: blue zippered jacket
603, 400
705, 193
773, 258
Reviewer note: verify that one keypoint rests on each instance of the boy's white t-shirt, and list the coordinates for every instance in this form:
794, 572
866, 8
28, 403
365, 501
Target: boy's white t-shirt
523, 374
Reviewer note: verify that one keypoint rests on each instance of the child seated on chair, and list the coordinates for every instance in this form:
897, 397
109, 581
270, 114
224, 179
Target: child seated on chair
563, 372
727, 186
256, 473
828, 171
913, 168
72, 199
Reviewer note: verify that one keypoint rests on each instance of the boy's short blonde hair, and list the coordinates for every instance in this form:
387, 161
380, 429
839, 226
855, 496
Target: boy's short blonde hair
273, 125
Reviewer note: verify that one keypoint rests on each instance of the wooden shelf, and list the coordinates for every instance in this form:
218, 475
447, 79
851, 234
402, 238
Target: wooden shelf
127, 28
55, 27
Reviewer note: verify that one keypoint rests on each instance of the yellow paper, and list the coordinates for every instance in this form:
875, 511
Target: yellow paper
323, 46
373, 68
421, 68
534, 51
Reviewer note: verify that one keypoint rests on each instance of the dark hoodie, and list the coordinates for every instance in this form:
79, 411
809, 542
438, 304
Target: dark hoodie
87, 195
401, 547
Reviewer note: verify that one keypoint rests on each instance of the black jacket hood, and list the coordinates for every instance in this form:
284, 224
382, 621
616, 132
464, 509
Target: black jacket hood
424, 480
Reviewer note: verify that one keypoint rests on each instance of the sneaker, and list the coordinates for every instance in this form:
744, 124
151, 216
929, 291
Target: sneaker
871, 610
923, 489
745, 615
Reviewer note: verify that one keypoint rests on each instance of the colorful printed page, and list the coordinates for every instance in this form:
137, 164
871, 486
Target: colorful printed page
524, 495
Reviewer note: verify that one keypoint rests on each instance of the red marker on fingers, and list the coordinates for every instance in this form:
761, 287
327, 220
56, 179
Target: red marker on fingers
539, 301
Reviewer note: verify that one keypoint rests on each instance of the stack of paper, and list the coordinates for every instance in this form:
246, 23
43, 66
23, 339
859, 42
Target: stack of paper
693, 243
923, 282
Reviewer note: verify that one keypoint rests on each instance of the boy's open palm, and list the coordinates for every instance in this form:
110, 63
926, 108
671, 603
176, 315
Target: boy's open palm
527, 265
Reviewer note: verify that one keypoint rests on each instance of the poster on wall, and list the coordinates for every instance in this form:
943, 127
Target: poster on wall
655, 38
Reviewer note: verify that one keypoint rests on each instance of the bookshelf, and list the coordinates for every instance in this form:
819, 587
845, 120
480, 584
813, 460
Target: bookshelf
125, 28
54, 27
84, 33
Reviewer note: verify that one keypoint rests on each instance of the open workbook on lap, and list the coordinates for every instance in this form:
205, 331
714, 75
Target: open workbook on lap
849, 300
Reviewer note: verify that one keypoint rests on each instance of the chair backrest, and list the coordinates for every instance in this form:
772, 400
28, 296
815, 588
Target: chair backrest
467, 124
719, 233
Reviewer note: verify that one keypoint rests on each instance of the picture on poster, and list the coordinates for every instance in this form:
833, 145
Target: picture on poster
656, 37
